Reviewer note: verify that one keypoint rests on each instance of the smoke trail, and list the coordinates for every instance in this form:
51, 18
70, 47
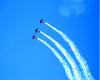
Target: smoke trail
81, 60
75, 69
62, 61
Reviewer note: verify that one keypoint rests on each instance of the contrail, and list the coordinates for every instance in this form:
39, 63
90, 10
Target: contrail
81, 60
75, 69
62, 61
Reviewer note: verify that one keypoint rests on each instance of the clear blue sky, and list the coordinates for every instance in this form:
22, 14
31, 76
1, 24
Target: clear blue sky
22, 58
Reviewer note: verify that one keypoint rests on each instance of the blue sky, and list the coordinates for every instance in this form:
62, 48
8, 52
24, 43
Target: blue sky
22, 58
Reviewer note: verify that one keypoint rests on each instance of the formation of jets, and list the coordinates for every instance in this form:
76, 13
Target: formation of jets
37, 30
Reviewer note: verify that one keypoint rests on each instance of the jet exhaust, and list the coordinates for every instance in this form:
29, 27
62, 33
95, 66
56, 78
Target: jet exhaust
62, 61
76, 72
80, 59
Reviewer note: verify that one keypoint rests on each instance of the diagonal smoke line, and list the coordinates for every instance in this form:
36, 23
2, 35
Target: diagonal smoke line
81, 60
75, 69
62, 61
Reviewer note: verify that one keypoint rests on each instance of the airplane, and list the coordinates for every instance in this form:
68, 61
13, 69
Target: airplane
34, 37
36, 30
41, 21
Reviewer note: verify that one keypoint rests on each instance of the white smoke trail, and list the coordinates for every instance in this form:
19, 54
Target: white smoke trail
81, 60
62, 61
75, 69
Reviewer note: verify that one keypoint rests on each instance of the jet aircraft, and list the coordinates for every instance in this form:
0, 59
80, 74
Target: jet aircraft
34, 37
41, 21
36, 30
